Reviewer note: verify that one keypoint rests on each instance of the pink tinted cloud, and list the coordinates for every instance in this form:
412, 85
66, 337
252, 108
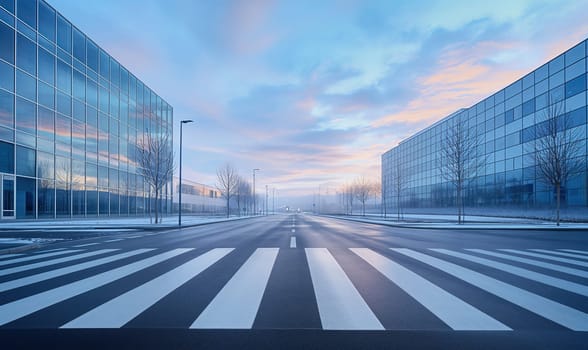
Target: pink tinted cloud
245, 29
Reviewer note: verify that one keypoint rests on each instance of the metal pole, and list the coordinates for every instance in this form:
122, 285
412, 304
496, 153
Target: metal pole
266, 201
182, 122
254, 197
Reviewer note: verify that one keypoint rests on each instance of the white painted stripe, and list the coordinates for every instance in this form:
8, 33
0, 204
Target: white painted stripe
236, 305
9, 256
292, 242
133, 236
455, 312
25, 306
48, 250
548, 257
36, 257
53, 262
114, 240
85, 245
293, 230
340, 305
528, 274
575, 251
556, 312
545, 265
66, 270
569, 255
120, 310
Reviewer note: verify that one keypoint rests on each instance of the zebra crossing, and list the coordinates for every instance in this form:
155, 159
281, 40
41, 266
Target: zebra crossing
457, 289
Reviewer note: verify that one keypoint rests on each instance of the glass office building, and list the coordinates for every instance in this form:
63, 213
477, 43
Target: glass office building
506, 126
71, 119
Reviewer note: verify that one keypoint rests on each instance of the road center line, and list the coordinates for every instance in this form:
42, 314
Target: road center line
292, 242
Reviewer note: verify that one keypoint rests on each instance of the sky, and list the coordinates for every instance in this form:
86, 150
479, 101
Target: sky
313, 92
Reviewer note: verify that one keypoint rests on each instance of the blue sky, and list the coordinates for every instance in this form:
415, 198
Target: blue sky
313, 92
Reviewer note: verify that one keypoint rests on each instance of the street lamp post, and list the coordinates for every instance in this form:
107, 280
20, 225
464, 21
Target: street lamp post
182, 122
254, 198
266, 200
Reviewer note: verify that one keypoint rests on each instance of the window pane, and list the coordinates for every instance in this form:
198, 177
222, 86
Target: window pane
79, 111
46, 21
64, 103
79, 45
6, 43
45, 165
25, 116
6, 109
79, 86
114, 72
46, 203
63, 129
8, 5
46, 67
104, 65
25, 192
63, 34
92, 55
26, 86
26, 55
6, 76
46, 124
63, 76
46, 95
6, 157
25, 161
575, 86
27, 12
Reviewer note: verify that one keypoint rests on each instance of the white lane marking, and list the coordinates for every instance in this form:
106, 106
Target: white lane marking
548, 257
66, 270
48, 250
236, 305
340, 305
455, 312
575, 251
134, 236
25, 306
293, 230
114, 240
120, 310
53, 262
36, 257
545, 265
292, 242
85, 245
554, 311
528, 274
569, 255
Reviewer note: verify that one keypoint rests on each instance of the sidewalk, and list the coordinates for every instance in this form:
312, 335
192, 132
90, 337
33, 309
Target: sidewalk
448, 222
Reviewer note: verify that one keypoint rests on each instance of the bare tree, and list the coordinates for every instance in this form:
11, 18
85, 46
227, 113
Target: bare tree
156, 163
557, 150
398, 180
228, 180
348, 198
362, 191
459, 162
242, 193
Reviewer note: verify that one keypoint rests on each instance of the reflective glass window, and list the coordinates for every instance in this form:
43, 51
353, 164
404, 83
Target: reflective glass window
114, 103
92, 93
8, 5
6, 157
46, 95
26, 190
6, 76
575, 86
26, 86
91, 174
104, 65
63, 129
46, 124
63, 103
46, 21
576, 53
26, 55
46, 201
576, 117
114, 72
25, 116
103, 99
92, 55
6, 109
124, 80
102, 176
528, 107
78, 136
556, 64
46, 67
79, 86
45, 165
79, 111
25, 161
79, 45
64, 76
63, 34
6, 43
26, 11
91, 201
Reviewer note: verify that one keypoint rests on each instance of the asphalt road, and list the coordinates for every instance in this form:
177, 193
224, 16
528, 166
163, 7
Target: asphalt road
300, 281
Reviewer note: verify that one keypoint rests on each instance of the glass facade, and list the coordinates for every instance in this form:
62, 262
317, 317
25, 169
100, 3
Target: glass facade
71, 119
506, 127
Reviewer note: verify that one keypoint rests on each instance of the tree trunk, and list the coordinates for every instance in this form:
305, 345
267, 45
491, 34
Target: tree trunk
156, 208
558, 187
458, 204
228, 207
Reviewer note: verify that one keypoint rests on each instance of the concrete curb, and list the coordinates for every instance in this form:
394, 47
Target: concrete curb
461, 228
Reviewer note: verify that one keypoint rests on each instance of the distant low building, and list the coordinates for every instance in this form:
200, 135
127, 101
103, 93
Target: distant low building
198, 198
506, 125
